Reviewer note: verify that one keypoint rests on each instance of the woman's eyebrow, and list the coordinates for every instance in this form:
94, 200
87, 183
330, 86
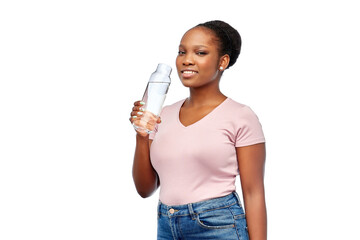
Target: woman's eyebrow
195, 46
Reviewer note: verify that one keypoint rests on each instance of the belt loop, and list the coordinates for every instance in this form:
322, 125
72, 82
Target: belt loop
158, 208
191, 210
237, 197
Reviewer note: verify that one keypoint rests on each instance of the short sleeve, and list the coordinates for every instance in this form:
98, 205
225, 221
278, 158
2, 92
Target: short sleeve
248, 128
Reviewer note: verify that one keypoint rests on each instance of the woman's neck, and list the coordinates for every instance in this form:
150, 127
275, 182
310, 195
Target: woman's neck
205, 97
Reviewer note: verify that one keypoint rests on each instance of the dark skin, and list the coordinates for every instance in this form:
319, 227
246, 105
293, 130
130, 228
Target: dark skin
200, 67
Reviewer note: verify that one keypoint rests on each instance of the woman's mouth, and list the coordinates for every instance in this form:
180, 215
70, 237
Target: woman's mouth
188, 73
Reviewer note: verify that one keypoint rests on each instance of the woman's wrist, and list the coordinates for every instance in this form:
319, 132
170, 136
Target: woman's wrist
142, 136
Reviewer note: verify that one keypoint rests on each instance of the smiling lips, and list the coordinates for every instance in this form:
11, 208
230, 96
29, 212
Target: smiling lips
188, 73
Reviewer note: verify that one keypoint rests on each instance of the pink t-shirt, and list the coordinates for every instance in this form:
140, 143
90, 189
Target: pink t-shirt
199, 162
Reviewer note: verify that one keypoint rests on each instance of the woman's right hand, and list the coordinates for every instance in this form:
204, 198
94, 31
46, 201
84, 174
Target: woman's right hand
142, 120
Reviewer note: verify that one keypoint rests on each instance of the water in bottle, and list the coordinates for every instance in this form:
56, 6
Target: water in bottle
154, 98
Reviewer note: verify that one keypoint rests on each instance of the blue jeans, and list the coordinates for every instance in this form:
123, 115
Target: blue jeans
218, 218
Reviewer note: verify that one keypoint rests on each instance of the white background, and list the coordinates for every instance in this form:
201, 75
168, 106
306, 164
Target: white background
70, 71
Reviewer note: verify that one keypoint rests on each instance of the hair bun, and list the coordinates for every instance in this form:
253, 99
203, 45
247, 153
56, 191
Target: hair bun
229, 37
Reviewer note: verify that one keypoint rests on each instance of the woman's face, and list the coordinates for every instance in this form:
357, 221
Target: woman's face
198, 60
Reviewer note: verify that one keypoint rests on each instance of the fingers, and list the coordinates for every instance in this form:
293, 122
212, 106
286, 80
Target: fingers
138, 113
145, 124
139, 103
137, 110
158, 120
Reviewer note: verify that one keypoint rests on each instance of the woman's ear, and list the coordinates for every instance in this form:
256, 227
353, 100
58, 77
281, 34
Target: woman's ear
224, 62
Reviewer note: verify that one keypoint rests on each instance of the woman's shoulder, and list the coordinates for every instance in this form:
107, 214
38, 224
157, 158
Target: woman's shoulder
240, 109
237, 106
173, 107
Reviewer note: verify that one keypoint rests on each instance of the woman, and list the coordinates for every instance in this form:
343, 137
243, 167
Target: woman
200, 145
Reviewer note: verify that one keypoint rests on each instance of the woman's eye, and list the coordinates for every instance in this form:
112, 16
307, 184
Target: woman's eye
181, 52
201, 53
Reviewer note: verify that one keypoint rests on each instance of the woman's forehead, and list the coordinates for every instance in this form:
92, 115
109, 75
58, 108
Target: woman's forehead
198, 36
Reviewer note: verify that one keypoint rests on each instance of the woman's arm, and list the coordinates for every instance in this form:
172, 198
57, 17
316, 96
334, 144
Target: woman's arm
145, 177
251, 161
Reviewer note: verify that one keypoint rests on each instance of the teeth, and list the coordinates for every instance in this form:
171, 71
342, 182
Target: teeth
188, 72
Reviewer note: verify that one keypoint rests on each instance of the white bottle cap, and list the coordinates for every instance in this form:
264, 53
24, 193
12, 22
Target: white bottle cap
164, 68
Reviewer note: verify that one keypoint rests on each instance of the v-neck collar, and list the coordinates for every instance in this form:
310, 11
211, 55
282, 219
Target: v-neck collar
201, 119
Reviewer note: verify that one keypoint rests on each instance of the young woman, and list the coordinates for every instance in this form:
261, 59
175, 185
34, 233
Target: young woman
200, 145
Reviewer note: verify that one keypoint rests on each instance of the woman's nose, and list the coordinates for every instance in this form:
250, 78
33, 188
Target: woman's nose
188, 60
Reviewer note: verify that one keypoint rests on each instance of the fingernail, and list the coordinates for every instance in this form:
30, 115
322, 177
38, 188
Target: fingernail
142, 103
134, 116
142, 109
140, 113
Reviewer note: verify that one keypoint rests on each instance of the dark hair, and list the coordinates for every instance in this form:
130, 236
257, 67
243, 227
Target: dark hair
228, 37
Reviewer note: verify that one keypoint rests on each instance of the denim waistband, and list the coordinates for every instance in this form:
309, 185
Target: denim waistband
199, 207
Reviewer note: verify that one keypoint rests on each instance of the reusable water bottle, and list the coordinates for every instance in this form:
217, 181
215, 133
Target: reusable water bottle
154, 97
